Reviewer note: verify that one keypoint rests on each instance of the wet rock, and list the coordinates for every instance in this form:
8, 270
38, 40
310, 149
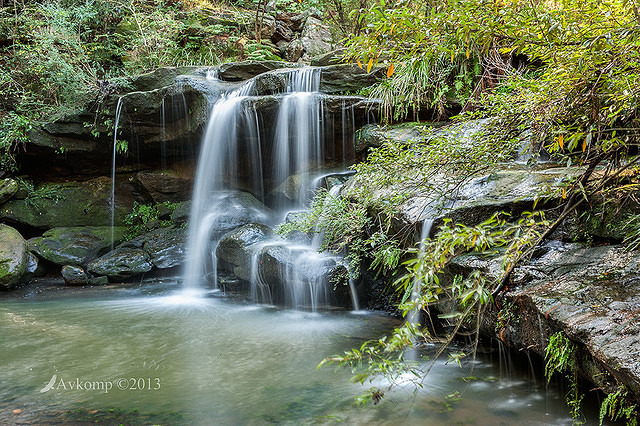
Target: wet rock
74, 275
236, 248
269, 84
70, 204
181, 213
166, 247
75, 246
13, 256
241, 71
8, 187
159, 78
87, 149
239, 208
121, 263
98, 281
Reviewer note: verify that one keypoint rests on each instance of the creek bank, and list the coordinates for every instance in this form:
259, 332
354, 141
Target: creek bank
581, 283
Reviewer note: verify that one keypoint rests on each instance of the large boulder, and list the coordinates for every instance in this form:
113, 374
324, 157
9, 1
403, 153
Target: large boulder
76, 245
316, 38
13, 256
69, 204
121, 263
236, 249
231, 210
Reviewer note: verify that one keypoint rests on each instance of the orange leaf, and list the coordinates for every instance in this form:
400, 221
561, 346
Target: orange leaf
584, 145
370, 65
561, 141
390, 70
359, 64
467, 53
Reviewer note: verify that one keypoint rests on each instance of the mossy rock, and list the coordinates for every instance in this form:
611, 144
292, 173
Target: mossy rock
69, 204
75, 246
13, 256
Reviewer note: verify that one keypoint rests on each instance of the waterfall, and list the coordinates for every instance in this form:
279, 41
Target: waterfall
217, 172
238, 148
113, 170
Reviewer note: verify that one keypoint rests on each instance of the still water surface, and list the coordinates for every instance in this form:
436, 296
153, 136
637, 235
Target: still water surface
174, 358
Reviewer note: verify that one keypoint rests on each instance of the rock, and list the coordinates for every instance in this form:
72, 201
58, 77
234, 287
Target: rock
8, 188
591, 294
71, 146
241, 71
375, 135
347, 78
271, 83
70, 204
166, 247
75, 246
13, 256
237, 247
268, 27
330, 58
159, 78
316, 38
294, 51
165, 186
239, 208
181, 213
98, 281
74, 275
121, 263
282, 32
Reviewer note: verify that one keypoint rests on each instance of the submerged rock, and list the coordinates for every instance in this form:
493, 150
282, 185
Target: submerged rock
13, 256
75, 246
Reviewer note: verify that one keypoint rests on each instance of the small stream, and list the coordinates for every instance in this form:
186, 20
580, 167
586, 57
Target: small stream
166, 356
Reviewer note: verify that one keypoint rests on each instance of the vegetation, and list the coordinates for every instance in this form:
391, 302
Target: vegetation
146, 217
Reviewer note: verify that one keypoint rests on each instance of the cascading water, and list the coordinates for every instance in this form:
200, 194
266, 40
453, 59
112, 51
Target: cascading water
218, 172
113, 171
297, 146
